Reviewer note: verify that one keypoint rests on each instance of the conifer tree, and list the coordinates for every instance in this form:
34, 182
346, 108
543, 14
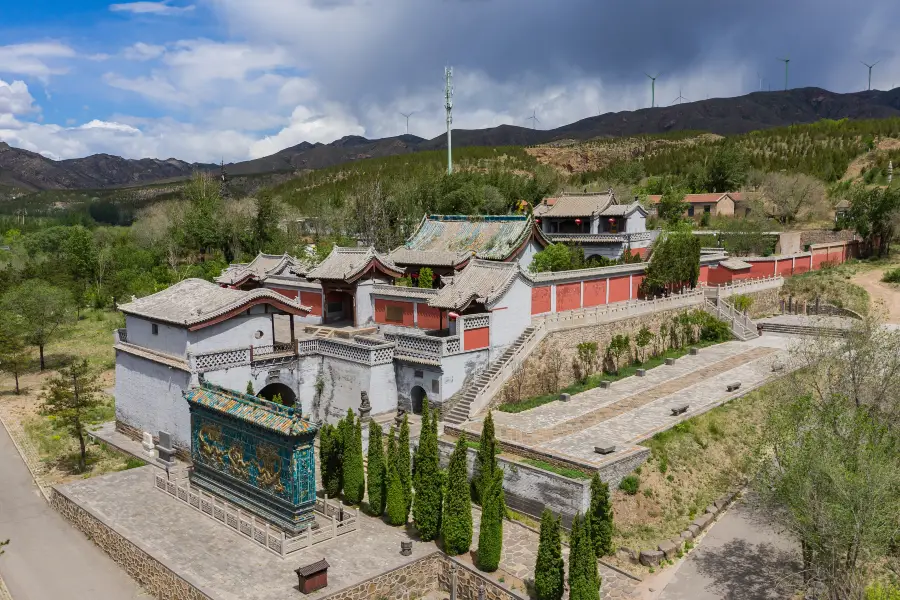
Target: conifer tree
417, 455
486, 459
601, 517
490, 536
376, 482
456, 522
396, 501
354, 473
392, 447
249, 391
428, 479
584, 582
549, 573
404, 467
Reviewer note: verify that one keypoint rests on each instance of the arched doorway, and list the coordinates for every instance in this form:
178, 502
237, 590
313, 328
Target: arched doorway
288, 397
418, 397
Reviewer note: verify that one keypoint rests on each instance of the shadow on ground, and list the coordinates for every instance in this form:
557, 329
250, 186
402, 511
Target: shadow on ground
746, 571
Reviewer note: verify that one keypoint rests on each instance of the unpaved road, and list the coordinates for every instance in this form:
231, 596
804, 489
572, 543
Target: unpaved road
883, 294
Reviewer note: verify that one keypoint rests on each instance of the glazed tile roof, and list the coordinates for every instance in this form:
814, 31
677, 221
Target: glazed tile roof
261, 267
576, 205
346, 264
450, 240
250, 409
194, 301
482, 280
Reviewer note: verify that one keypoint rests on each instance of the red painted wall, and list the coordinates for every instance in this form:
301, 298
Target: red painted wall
801, 265
285, 293
476, 338
540, 300
381, 312
619, 289
568, 296
704, 274
819, 257
313, 300
762, 269
718, 276
594, 292
642, 252
785, 267
429, 317
636, 281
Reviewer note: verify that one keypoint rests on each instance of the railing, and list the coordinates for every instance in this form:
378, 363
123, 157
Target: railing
216, 361
274, 539
741, 325
607, 236
424, 346
259, 352
744, 286
474, 321
365, 351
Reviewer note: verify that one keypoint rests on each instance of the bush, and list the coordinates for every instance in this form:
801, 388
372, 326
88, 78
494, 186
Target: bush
630, 484
892, 276
742, 302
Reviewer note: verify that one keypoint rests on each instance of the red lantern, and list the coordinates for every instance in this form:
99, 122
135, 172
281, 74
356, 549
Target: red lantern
612, 220
537, 220
578, 221
453, 315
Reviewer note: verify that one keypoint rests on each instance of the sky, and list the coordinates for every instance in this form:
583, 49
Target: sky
211, 80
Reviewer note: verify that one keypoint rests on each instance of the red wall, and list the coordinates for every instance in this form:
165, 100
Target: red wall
476, 338
540, 300
819, 257
381, 312
704, 274
428, 317
764, 268
636, 281
594, 292
785, 267
568, 296
285, 293
642, 252
314, 300
718, 276
801, 265
619, 289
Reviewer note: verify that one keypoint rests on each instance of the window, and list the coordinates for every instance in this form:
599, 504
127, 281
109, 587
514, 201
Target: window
154, 329
690, 211
258, 335
393, 314
418, 374
707, 208
435, 386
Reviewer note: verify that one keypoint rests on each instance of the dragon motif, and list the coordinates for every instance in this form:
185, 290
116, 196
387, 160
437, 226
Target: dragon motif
268, 465
239, 467
210, 438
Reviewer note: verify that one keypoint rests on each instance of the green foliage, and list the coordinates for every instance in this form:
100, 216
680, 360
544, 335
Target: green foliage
601, 517
586, 360
396, 500
891, 276
872, 213
376, 482
549, 575
564, 471
41, 310
404, 466
331, 447
675, 263
584, 580
277, 399
426, 278
14, 357
563, 257
630, 484
354, 474
428, 479
742, 302
456, 522
69, 398
249, 391
486, 459
643, 339
490, 534
672, 207
619, 345
882, 591
405, 281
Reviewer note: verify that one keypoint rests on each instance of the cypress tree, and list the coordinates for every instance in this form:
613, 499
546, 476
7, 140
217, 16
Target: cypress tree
428, 480
249, 391
486, 459
490, 536
392, 447
417, 456
584, 581
456, 522
354, 473
396, 501
330, 460
404, 468
549, 573
601, 517
376, 483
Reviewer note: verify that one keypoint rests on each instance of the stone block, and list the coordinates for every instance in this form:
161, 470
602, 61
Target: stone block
703, 521
564, 397
641, 372
712, 510
733, 386
628, 554
668, 549
651, 558
605, 384
687, 535
670, 361
694, 351
694, 529
680, 410
147, 444
722, 502
604, 449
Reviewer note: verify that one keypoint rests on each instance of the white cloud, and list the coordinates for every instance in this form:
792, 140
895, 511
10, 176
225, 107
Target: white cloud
142, 51
37, 59
151, 8
15, 99
309, 126
110, 126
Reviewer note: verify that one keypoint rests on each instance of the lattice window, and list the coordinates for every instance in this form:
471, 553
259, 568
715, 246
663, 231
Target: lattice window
452, 345
215, 361
476, 322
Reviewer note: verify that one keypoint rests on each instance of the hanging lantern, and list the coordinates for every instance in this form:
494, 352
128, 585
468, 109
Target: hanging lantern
612, 220
578, 221
537, 220
453, 315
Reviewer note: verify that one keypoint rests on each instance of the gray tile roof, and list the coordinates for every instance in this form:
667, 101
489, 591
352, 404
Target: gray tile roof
450, 240
587, 237
578, 205
261, 267
399, 291
194, 301
345, 264
622, 210
482, 280
734, 264
545, 277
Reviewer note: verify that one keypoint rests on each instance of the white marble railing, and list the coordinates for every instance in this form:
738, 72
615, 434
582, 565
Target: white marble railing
424, 346
744, 286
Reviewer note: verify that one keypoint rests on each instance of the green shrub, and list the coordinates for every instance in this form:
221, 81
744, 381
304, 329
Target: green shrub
630, 484
456, 522
882, 591
663, 464
601, 520
354, 474
428, 478
892, 276
376, 482
549, 574
490, 535
741, 302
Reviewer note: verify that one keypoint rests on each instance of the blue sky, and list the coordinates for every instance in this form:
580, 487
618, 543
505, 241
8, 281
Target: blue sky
202, 80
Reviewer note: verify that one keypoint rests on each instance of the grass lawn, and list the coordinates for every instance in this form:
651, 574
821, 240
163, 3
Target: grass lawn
594, 380
570, 473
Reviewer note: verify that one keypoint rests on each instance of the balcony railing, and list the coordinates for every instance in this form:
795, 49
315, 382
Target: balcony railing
424, 346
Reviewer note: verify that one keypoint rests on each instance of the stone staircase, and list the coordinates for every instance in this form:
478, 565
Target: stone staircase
461, 402
805, 330
741, 325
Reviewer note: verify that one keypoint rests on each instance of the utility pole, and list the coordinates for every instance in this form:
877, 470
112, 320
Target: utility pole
870, 71
448, 105
786, 62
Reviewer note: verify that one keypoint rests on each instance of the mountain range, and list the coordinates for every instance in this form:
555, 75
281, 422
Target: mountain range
30, 171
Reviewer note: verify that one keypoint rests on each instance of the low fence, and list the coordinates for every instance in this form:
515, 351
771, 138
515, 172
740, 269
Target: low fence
743, 286
428, 347
338, 520
818, 307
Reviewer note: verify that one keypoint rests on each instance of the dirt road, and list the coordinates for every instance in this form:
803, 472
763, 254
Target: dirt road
882, 294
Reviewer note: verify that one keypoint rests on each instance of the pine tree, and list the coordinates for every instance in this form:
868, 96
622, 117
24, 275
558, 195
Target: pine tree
404, 467
249, 391
428, 479
490, 536
601, 517
584, 581
486, 459
549, 574
376, 482
456, 523
354, 473
396, 501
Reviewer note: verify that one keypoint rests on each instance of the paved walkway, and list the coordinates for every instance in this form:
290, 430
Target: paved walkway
47, 559
742, 557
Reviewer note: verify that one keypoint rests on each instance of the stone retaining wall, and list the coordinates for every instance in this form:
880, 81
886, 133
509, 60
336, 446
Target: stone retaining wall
765, 303
151, 574
414, 580
468, 580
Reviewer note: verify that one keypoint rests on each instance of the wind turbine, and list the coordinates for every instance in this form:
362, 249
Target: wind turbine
533, 118
786, 61
870, 70
760, 80
680, 97
652, 88
407, 115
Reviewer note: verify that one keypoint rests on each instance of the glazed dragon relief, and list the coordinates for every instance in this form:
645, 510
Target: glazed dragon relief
268, 465
239, 467
210, 438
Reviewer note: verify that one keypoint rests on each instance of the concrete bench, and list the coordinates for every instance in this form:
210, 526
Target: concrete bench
733, 386
604, 449
680, 410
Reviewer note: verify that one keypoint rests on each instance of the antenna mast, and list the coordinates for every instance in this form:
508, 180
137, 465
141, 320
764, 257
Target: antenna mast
448, 105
